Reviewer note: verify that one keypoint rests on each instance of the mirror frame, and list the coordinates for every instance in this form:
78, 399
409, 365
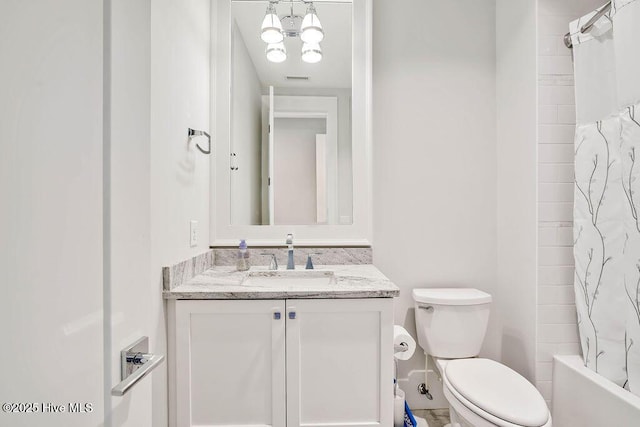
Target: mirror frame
359, 232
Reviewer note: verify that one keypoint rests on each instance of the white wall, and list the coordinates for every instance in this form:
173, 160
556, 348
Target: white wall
130, 204
557, 330
434, 151
294, 164
345, 160
246, 135
180, 93
51, 208
52, 191
515, 294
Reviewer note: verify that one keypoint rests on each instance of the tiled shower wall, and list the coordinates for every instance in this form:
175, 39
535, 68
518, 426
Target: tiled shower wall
557, 330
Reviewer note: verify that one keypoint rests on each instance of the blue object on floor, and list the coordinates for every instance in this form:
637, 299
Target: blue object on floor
409, 420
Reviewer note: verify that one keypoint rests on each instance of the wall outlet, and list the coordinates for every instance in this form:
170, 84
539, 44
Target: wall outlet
193, 233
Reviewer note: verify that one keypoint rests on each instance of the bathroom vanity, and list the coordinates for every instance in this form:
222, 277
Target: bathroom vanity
292, 156
282, 348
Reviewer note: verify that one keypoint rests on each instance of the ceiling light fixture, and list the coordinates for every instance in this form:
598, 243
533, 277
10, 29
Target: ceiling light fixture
276, 52
311, 53
309, 29
271, 26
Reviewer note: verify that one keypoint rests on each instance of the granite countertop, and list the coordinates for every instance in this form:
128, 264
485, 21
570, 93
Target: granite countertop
225, 282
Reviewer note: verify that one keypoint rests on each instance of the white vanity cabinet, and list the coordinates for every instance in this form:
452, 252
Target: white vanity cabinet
311, 362
229, 363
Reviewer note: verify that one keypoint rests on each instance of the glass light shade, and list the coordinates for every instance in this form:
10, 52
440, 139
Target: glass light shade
271, 27
311, 28
276, 52
311, 53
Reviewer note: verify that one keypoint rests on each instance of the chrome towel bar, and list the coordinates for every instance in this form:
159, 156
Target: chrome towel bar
136, 363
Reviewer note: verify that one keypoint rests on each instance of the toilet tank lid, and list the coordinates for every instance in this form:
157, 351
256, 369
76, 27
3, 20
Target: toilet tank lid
451, 296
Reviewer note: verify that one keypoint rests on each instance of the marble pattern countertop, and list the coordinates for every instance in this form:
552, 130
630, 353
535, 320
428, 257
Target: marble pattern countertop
225, 282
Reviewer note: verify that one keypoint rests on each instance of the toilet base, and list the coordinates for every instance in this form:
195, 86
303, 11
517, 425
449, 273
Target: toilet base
421, 422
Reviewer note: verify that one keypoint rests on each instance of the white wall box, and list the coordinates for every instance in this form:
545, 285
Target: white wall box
281, 362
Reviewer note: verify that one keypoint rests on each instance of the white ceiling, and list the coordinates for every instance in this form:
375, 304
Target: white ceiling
334, 71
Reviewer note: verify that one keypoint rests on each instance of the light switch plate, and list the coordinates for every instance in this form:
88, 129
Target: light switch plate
193, 233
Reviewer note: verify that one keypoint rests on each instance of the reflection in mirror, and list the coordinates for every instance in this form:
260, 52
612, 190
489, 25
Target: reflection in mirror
291, 127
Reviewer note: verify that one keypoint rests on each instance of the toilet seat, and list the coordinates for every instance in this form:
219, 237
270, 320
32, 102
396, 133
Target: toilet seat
495, 393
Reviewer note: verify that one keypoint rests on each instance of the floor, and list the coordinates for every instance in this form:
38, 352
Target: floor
435, 417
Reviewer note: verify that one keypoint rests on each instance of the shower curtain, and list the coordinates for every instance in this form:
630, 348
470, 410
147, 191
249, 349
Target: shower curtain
607, 192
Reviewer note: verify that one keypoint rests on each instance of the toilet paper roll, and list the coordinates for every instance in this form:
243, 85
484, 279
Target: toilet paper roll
402, 337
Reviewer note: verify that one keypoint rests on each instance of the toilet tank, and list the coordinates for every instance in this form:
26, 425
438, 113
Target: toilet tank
451, 323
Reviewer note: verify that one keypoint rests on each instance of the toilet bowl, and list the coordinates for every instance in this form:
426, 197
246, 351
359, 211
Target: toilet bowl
451, 325
485, 393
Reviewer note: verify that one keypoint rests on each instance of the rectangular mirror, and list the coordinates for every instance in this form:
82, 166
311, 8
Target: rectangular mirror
291, 114
291, 92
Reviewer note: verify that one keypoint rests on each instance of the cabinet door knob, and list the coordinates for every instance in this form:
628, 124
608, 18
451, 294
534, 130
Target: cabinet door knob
292, 315
276, 315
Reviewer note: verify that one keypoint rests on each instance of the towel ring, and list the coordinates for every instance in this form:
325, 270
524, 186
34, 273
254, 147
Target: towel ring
192, 133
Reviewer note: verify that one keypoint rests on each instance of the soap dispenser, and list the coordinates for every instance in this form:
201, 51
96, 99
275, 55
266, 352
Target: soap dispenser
242, 264
290, 264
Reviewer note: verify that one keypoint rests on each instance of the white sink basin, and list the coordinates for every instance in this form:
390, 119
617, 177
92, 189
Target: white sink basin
289, 278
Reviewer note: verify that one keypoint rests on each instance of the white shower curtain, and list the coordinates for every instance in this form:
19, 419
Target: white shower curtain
607, 192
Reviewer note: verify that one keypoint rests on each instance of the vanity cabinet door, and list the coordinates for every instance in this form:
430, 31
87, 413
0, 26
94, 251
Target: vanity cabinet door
230, 363
340, 362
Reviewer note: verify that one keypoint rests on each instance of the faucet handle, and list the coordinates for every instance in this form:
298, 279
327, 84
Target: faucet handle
309, 265
273, 265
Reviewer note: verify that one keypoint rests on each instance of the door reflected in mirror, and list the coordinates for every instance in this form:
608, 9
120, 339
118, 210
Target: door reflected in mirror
291, 130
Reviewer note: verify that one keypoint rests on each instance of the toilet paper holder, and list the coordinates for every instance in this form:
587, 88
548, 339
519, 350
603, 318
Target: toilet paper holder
135, 363
402, 347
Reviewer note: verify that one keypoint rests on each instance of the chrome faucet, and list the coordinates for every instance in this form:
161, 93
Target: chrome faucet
273, 265
290, 264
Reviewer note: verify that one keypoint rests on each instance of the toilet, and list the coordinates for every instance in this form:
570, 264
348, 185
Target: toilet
451, 325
